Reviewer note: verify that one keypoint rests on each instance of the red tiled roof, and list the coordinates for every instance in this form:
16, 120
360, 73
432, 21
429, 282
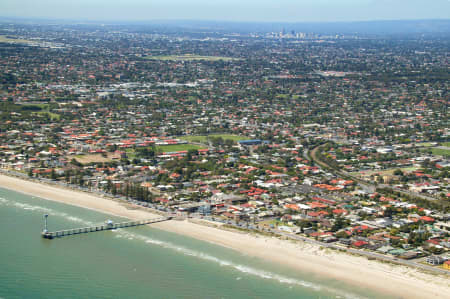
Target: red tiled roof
359, 243
427, 219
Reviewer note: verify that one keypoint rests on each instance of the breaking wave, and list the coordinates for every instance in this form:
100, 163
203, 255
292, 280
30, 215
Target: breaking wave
51, 212
120, 233
241, 268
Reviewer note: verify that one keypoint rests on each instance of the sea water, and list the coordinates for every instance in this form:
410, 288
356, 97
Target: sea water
138, 262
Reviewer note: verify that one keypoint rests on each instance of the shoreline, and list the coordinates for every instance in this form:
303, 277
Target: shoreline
395, 280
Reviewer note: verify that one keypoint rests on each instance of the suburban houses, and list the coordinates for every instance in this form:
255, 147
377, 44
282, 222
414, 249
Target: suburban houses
356, 156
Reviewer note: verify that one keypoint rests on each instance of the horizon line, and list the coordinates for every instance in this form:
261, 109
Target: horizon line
18, 18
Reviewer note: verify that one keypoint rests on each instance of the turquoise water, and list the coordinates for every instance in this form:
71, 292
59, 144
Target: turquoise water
140, 262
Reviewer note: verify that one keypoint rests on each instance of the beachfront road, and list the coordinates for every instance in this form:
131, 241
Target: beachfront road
366, 253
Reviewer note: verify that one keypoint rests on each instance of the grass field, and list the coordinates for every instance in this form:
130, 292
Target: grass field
204, 138
42, 109
177, 148
426, 144
189, 57
288, 97
5, 39
53, 116
446, 144
92, 158
33, 106
383, 172
440, 152
273, 222
437, 151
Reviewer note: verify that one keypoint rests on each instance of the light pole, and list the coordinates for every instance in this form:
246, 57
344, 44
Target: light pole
45, 226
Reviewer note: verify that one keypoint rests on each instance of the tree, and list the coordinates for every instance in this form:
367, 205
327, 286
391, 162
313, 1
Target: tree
53, 174
398, 172
67, 173
339, 223
342, 235
191, 153
113, 189
75, 162
127, 190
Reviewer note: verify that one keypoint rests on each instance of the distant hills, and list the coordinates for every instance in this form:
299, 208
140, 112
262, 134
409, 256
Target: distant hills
361, 27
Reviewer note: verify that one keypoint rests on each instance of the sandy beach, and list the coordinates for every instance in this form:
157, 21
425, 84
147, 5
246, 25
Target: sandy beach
400, 281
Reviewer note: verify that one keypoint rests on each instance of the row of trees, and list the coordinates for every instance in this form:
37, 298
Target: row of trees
129, 190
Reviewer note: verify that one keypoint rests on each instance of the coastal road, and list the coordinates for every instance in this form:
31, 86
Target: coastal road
287, 235
366, 253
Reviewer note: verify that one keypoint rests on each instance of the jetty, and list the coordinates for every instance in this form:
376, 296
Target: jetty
109, 225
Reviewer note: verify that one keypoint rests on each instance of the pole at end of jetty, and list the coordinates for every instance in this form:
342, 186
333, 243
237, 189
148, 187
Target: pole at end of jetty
45, 225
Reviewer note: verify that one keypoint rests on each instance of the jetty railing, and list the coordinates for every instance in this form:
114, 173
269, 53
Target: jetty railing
98, 228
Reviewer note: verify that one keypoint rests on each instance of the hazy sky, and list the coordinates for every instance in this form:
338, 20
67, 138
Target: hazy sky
229, 10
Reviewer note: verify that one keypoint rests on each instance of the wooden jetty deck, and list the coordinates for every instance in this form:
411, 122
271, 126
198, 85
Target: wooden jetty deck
106, 226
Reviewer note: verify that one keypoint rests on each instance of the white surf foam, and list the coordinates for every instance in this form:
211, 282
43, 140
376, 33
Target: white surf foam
225, 263
51, 212
186, 251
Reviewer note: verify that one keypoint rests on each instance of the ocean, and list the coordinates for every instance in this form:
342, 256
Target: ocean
139, 262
